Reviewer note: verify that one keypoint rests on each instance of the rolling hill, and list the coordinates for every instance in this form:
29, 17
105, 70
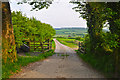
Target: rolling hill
71, 32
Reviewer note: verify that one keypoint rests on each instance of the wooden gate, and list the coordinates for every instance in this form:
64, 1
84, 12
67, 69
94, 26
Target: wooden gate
81, 48
36, 46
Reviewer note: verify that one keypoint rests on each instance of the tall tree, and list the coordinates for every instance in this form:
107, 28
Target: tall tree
8, 41
114, 23
93, 12
96, 15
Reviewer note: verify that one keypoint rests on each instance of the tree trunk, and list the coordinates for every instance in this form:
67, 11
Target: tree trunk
8, 41
116, 57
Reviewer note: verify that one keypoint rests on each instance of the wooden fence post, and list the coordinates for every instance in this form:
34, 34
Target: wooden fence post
51, 45
48, 44
42, 47
29, 45
34, 45
79, 45
81, 48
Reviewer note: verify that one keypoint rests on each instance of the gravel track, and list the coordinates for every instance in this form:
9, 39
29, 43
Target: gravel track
64, 64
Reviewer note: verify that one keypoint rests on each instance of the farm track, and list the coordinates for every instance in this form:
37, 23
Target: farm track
64, 64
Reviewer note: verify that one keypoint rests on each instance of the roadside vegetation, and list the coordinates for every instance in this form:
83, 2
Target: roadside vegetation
30, 29
103, 64
26, 29
102, 48
9, 69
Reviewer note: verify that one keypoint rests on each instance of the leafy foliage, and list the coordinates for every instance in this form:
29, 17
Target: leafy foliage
37, 4
30, 29
97, 42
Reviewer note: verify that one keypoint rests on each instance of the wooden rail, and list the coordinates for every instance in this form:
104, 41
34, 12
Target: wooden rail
81, 48
40, 47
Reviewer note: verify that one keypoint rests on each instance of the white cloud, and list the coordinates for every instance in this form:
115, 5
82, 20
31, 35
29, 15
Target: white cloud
59, 14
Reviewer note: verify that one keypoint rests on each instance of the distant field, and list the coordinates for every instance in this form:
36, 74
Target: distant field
69, 42
71, 32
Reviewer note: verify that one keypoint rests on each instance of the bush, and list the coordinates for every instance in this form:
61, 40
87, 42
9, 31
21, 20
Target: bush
103, 64
102, 59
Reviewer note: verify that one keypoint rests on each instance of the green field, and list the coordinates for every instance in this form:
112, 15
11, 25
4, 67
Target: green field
73, 43
72, 32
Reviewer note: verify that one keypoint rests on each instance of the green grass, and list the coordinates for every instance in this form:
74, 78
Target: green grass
68, 42
27, 54
103, 64
73, 32
9, 69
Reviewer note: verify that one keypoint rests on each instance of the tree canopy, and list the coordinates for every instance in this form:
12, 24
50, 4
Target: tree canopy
30, 29
99, 43
37, 4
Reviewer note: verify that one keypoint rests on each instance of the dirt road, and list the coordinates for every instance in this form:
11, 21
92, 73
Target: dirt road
64, 64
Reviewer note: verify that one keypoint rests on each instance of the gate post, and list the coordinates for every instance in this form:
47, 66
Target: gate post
51, 45
79, 45
34, 45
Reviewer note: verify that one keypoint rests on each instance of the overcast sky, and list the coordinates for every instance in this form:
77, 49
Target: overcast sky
59, 14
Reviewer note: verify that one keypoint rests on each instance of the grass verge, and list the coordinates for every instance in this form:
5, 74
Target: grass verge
102, 64
9, 69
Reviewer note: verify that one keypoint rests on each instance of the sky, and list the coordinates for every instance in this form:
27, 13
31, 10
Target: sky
59, 14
